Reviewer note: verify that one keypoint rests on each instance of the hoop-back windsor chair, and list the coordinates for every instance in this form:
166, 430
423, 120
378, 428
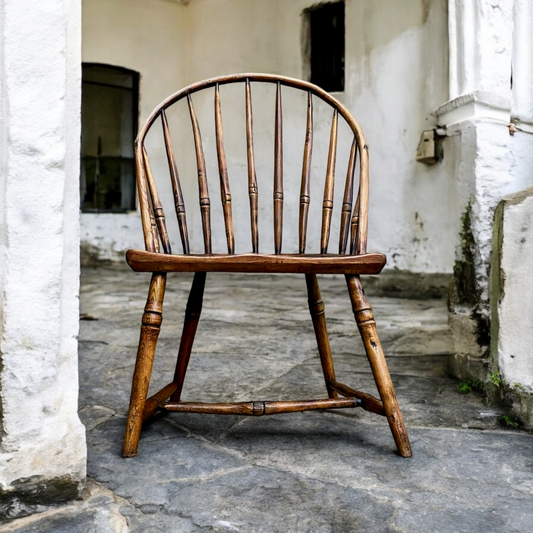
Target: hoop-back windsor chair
352, 259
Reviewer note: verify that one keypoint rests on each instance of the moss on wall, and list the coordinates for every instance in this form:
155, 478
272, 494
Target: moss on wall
465, 290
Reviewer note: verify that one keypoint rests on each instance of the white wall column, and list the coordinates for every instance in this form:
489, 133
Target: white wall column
512, 303
477, 117
522, 108
42, 441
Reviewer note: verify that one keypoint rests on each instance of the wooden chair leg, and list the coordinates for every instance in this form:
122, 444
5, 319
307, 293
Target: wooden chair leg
151, 324
190, 325
364, 317
316, 308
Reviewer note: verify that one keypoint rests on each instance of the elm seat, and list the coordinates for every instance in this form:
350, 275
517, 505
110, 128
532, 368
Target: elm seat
141, 261
352, 260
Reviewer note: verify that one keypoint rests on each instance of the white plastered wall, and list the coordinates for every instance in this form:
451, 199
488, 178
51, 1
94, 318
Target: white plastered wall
41, 435
396, 75
149, 37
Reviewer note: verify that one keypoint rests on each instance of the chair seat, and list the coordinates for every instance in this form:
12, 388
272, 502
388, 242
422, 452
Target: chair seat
142, 261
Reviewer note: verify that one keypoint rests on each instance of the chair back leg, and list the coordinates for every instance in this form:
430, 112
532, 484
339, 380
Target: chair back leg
190, 325
316, 308
151, 325
364, 316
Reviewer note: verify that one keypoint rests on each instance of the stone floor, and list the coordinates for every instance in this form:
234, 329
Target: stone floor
317, 472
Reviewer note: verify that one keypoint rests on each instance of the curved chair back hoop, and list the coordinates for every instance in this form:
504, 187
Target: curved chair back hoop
354, 220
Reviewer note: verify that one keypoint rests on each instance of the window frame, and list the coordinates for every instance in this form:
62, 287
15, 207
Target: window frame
307, 46
135, 77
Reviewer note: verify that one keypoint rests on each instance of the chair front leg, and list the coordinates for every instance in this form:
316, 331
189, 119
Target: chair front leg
151, 324
364, 317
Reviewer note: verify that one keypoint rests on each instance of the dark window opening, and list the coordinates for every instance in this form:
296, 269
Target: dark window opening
109, 111
326, 45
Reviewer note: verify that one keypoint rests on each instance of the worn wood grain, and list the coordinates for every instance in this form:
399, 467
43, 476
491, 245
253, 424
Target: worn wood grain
364, 317
316, 308
150, 327
352, 259
278, 174
179, 202
223, 173
142, 192
190, 325
141, 261
305, 193
262, 408
368, 402
327, 204
205, 202
354, 231
159, 214
252, 178
347, 200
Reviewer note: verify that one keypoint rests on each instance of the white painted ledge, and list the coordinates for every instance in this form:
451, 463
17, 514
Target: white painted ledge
474, 106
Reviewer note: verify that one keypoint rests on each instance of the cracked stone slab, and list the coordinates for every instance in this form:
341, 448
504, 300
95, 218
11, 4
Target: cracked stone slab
331, 471
99, 512
171, 458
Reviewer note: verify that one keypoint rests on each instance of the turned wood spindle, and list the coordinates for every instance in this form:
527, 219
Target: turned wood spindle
151, 240
347, 201
190, 325
364, 316
305, 195
362, 202
179, 202
159, 214
252, 178
278, 173
327, 206
205, 204
223, 172
262, 408
354, 228
150, 327
316, 308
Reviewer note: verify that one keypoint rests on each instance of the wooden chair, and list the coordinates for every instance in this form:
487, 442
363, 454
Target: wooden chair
159, 259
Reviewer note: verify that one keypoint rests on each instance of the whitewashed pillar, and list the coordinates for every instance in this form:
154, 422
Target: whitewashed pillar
522, 107
511, 290
477, 118
512, 303
42, 442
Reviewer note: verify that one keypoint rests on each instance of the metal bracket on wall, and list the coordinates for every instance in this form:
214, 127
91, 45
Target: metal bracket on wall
429, 149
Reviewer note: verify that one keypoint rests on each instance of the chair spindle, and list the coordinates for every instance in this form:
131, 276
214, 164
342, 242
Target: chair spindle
153, 229
205, 204
347, 201
278, 173
305, 196
327, 206
355, 227
252, 178
158, 212
223, 171
179, 202
152, 244
362, 202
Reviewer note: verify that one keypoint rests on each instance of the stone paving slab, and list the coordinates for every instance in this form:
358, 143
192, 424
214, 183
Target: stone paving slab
334, 471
